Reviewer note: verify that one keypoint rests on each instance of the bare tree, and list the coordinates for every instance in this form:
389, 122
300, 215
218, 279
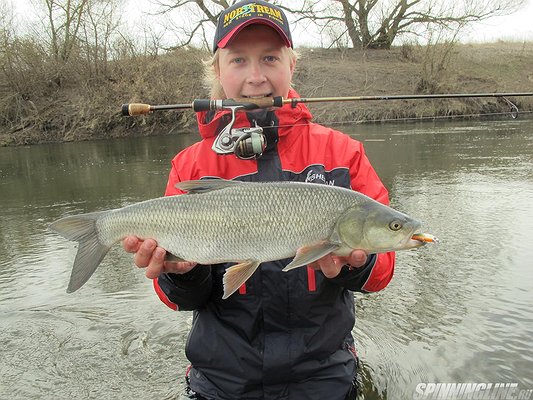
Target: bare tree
196, 18
7, 36
99, 25
378, 23
76, 35
64, 19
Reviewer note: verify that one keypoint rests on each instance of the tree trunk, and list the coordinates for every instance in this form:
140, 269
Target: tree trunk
353, 33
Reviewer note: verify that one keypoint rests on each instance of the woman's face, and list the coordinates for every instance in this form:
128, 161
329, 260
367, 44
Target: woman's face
256, 63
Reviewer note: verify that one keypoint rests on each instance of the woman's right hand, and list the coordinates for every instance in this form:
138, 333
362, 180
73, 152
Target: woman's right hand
152, 257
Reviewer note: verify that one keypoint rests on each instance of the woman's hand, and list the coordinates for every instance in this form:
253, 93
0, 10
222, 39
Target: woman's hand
331, 265
148, 255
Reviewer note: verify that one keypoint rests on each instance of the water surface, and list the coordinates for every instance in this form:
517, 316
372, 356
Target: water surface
459, 312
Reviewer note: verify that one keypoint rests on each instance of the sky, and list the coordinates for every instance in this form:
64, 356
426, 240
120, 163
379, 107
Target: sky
515, 27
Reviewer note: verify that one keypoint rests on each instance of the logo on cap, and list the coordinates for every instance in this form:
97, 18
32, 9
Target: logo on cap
244, 13
252, 10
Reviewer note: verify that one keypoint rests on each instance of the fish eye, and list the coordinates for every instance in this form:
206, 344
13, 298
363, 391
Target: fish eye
395, 225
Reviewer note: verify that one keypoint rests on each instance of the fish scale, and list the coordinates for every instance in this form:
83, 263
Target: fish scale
237, 225
248, 223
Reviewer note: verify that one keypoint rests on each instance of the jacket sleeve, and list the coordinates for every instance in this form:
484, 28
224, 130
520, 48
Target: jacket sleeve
185, 292
376, 274
188, 291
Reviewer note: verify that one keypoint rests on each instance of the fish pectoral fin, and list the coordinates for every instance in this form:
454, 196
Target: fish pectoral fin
307, 254
205, 185
236, 275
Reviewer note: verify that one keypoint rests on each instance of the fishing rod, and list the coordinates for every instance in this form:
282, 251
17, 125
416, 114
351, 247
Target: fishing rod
249, 143
245, 104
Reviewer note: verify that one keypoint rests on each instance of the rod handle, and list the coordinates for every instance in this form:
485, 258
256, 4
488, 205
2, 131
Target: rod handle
245, 103
133, 109
201, 105
264, 102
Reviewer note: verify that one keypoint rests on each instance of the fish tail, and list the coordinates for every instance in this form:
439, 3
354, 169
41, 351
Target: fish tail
82, 228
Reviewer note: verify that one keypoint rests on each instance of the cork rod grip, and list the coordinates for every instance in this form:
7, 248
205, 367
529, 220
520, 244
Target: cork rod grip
134, 109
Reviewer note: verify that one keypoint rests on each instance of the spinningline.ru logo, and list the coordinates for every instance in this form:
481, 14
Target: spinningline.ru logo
477, 391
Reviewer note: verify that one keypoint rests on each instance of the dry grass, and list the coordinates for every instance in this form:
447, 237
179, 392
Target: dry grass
496, 67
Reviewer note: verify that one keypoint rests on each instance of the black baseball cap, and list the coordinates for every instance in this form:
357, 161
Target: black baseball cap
235, 18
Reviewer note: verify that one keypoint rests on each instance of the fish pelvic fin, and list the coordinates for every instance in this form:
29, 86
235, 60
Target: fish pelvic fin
205, 185
236, 275
82, 228
307, 254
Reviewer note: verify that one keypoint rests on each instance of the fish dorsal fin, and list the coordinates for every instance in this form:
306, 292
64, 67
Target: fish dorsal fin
205, 185
307, 254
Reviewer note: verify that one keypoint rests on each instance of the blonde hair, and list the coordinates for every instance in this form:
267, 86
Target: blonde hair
210, 73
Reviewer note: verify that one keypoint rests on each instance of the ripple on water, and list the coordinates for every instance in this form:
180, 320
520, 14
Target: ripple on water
73, 352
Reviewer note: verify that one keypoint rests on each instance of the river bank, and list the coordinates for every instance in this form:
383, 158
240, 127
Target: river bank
43, 112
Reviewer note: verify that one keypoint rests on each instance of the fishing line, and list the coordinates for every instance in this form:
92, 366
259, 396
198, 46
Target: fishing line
400, 119
423, 118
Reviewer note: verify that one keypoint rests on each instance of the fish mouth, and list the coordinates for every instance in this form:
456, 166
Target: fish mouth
421, 239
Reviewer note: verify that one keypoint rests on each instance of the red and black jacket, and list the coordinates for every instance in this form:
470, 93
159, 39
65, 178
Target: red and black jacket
282, 335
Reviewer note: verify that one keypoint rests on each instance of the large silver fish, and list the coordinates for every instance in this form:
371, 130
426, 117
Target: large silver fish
248, 223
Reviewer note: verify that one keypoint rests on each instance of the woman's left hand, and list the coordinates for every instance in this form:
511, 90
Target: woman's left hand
331, 265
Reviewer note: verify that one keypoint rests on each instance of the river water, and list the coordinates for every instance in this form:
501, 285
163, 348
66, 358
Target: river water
457, 312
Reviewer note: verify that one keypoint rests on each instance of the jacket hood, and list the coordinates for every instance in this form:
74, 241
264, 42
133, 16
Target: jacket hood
210, 125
